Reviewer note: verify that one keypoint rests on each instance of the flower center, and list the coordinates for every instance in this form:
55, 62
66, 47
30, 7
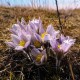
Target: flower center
37, 44
43, 35
38, 58
22, 43
59, 46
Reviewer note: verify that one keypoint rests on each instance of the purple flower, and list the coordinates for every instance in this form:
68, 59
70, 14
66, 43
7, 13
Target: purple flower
16, 29
23, 34
36, 25
45, 35
50, 30
39, 57
62, 44
22, 24
49, 34
36, 40
66, 44
19, 42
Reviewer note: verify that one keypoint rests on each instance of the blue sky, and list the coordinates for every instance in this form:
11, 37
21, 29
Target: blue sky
49, 3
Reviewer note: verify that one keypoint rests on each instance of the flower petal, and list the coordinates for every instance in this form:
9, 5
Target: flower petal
27, 44
19, 48
10, 44
43, 59
35, 52
25, 36
47, 37
67, 44
50, 29
15, 38
21, 25
15, 29
37, 37
53, 43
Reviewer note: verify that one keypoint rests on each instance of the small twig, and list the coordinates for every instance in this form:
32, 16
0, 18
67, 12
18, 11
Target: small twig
58, 14
70, 67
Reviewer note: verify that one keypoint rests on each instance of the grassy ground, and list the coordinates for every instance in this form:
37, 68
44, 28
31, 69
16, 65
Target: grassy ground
70, 20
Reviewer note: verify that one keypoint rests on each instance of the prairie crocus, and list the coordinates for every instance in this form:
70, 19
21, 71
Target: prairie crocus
22, 24
49, 33
36, 25
62, 44
66, 44
39, 57
50, 30
19, 42
36, 40
20, 27
16, 29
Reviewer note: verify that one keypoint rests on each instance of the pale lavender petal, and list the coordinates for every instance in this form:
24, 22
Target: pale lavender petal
13, 32
10, 44
37, 37
50, 29
36, 22
41, 29
36, 25
47, 37
35, 52
55, 34
62, 38
25, 36
19, 48
33, 26
30, 30
21, 25
15, 29
15, 38
65, 47
67, 44
27, 44
43, 59
53, 43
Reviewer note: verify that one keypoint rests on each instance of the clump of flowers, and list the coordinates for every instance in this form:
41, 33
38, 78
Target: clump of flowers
37, 43
38, 51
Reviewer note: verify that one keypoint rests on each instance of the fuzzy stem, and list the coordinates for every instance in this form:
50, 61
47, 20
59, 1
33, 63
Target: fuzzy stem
28, 55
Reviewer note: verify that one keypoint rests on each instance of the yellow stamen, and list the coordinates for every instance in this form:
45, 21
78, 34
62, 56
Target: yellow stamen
43, 35
38, 58
59, 46
22, 43
37, 44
